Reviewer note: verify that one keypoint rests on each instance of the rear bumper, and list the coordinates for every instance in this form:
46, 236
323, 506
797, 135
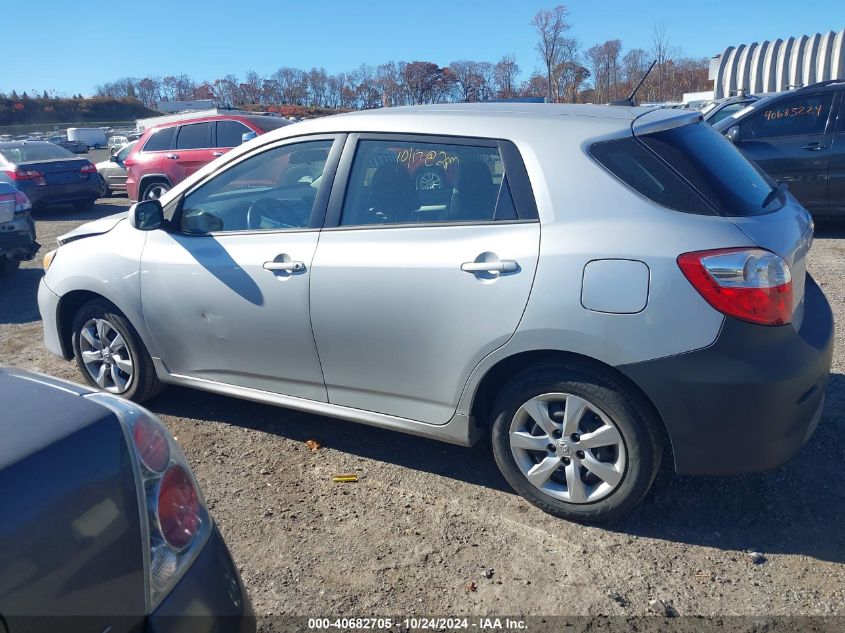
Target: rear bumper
58, 194
751, 400
209, 597
17, 238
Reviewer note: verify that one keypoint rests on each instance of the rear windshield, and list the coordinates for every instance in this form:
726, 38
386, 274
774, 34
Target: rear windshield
717, 169
691, 168
26, 153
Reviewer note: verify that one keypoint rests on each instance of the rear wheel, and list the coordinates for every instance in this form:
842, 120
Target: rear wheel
575, 441
105, 192
8, 267
110, 353
155, 190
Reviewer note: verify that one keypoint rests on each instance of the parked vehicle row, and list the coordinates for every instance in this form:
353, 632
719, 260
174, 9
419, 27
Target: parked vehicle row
77, 147
308, 269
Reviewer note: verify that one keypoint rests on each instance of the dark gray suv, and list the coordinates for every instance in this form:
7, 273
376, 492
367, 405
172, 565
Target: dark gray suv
798, 138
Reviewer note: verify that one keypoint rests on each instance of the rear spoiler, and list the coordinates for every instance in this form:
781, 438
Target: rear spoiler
663, 119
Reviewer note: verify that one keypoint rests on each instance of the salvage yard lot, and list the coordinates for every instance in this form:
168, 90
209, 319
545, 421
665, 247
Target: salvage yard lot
427, 520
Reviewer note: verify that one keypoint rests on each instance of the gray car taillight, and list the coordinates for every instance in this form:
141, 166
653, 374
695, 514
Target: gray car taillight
175, 520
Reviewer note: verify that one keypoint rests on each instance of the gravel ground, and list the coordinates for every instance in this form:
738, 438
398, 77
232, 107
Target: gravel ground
432, 529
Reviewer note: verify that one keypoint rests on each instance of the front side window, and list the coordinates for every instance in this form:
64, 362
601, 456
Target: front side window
273, 190
194, 136
124, 151
230, 133
803, 115
397, 182
161, 140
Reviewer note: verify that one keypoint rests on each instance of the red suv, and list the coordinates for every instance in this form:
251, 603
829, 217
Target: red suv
167, 154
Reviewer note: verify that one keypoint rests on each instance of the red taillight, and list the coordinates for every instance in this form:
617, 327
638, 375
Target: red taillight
151, 444
88, 169
27, 174
178, 508
751, 284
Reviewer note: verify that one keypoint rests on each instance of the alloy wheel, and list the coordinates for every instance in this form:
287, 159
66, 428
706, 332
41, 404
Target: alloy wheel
156, 191
429, 180
568, 448
106, 356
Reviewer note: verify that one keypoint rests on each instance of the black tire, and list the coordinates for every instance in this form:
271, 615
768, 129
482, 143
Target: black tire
154, 185
632, 417
8, 267
105, 192
84, 205
113, 151
96, 146
144, 383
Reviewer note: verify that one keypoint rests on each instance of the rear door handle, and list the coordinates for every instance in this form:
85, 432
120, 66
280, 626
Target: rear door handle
172, 156
501, 266
288, 267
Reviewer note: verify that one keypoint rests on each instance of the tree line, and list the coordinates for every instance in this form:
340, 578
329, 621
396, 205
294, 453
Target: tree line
569, 73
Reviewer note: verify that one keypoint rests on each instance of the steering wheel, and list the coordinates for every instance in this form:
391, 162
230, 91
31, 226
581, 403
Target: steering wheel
277, 212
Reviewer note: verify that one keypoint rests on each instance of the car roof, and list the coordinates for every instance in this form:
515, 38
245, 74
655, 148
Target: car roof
4, 144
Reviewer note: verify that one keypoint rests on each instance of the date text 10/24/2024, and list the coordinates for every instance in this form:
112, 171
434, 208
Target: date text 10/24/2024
485, 623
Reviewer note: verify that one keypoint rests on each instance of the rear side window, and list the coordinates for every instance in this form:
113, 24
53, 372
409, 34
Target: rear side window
268, 123
796, 116
194, 136
40, 151
397, 182
161, 140
715, 167
645, 173
230, 133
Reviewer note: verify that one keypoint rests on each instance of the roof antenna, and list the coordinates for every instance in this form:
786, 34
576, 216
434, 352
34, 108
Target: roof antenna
629, 100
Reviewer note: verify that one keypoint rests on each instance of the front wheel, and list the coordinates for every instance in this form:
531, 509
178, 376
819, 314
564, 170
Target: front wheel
576, 441
110, 354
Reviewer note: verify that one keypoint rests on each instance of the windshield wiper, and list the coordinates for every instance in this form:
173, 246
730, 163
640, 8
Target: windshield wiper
774, 193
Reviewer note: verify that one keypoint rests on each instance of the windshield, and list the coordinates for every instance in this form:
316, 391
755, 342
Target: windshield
26, 153
717, 169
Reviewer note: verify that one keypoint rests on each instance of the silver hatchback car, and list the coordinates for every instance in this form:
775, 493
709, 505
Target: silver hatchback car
587, 286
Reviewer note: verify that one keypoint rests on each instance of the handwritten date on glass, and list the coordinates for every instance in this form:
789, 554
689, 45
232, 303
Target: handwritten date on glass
414, 157
773, 115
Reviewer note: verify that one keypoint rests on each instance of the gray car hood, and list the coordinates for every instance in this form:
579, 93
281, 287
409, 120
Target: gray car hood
96, 227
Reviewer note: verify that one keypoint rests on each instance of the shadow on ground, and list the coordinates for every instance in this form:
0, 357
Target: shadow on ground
19, 296
796, 509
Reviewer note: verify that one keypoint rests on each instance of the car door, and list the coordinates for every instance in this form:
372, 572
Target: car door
836, 168
116, 174
225, 290
411, 285
193, 151
790, 139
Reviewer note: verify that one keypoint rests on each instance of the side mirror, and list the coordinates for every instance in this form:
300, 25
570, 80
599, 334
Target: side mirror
146, 215
248, 136
733, 134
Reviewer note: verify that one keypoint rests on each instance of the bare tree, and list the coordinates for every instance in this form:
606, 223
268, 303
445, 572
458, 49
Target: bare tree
468, 80
505, 74
603, 60
550, 25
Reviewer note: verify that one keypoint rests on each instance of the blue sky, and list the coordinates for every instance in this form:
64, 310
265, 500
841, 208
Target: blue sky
71, 46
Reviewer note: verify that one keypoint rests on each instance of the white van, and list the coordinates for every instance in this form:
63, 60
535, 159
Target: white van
92, 136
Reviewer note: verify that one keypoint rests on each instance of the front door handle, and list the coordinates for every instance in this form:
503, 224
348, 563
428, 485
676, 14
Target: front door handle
171, 156
288, 267
501, 266
814, 147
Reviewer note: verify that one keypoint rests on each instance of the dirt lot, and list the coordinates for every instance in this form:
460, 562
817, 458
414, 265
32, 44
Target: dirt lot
426, 518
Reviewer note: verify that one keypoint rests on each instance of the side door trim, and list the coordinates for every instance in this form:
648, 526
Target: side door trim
517, 176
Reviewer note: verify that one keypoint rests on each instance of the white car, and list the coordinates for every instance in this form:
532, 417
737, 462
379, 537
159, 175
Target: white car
583, 281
